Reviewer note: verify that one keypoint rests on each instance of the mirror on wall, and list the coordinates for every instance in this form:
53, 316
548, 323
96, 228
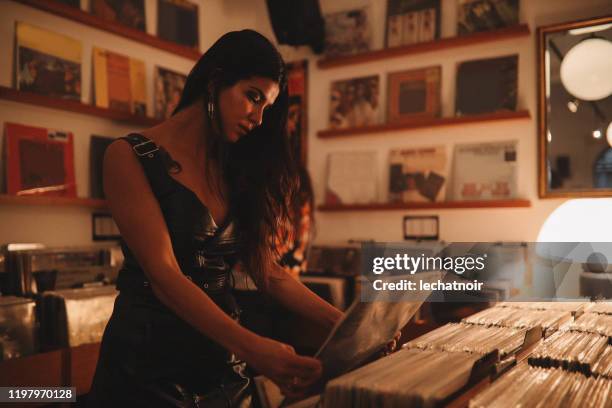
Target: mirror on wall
575, 109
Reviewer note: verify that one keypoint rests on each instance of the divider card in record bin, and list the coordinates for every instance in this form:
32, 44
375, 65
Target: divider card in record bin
485, 171
39, 161
352, 178
418, 174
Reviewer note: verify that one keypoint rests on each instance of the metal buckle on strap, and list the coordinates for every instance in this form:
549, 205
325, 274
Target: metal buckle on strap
142, 151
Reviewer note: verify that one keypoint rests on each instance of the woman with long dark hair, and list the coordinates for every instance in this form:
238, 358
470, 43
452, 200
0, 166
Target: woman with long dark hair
192, 196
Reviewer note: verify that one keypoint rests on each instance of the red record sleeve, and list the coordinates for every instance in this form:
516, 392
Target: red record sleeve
39, 161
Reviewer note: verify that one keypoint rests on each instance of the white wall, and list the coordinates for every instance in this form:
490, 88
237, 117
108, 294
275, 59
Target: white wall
71, 226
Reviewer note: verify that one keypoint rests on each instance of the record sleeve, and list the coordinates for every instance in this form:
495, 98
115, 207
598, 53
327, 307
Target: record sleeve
351, 178
119, 82
485, 15
39, 161
47, 63
347, 32
413, 95
354, 102
418, 174
485, 171
168, 89
127, 12
487, 85
177, 21
412, 21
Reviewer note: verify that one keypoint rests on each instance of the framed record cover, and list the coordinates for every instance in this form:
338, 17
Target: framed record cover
168, 88
39, 161
413, 95
297, 78
485, 15
487, 85
177, 21
351, 178
130, 13
47, 63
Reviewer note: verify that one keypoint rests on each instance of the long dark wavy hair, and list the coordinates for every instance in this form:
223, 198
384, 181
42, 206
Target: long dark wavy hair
259, 169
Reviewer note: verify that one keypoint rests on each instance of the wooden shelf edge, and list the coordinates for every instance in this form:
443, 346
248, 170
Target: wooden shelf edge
434, 122
520, 30
39, 200
80, 16
32, 98
515, 203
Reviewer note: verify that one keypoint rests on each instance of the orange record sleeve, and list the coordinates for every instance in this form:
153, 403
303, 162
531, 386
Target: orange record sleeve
39, 161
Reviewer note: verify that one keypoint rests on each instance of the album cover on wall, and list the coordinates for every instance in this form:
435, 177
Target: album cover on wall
177, 21
71, 3
47, 63
487, 85
418, 174
347, 32
413, 95
97, 147
297, 81
168, 88
119, 82
485, 171
39, 161
412, 21
484, 15
127, 12
354, 102
352, 178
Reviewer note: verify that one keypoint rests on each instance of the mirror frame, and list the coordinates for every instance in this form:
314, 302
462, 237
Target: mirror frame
543, 190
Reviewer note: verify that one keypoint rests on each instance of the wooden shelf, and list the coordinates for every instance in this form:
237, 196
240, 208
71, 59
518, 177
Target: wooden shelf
80, 16
521, 30
434, 122
7, 199
74, 106
425, 206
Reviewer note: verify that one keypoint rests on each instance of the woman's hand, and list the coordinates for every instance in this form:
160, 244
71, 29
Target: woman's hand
292, 373
392, 345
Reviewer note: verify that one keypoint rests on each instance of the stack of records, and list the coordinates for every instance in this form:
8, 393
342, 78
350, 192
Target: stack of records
480, 340
527, 386
572, 307
71, 317
408, 378
601, 307
603, 366
574, 351
594, 323
549, 320
17, 327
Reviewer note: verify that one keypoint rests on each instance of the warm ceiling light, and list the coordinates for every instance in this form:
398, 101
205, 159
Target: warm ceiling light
591, 29
597, 134
585, 69
573, 105
609, 134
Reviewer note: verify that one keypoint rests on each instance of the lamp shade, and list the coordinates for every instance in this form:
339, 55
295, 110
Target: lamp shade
586, 68
579, 220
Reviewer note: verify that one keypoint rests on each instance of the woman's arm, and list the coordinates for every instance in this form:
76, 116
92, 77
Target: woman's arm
292, 293
143, 228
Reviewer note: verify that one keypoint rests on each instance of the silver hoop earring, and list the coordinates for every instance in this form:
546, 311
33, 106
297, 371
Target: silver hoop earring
211, 110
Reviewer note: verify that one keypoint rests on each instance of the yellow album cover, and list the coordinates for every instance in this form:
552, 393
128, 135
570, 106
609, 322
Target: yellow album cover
47, 63
119, 82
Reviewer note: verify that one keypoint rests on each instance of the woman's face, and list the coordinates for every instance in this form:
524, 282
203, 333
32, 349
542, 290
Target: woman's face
242, 106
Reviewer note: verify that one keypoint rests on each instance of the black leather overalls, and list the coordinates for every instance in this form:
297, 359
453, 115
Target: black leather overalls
149, 356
